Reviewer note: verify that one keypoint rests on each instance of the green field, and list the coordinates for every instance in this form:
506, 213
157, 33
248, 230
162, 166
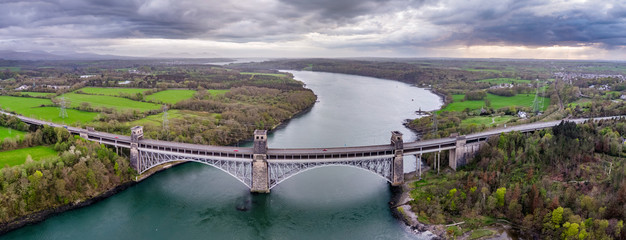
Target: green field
504, 80
109, 102
12, 69
38, 94
10, 133
497, 102
266, 74
111, 91
31, 107
216, 92
17, 157
482, 70
488, 121
157, 119
171, 96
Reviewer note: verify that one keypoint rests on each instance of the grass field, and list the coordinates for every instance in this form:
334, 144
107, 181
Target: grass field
10, 133
12, 69
157, 119
171, 96
38, 94
497, 102
476, 234
266, 74
483, 70
112, 91
216, 92
17, 157
109, 102
504, 80
488, 121
31, 107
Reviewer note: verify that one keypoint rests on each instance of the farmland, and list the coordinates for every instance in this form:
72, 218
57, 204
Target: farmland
487, 121
171, 96
117, 103
37, 94
32, 107
112, 91
497, 102
18, 157
9, 133
504, 80
216, 92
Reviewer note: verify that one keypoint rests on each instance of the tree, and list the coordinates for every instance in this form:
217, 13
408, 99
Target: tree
557, 216
500, 192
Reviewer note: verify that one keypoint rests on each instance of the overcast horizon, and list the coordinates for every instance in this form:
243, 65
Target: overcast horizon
533, 29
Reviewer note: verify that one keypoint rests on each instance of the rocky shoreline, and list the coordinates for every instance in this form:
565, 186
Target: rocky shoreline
401, 210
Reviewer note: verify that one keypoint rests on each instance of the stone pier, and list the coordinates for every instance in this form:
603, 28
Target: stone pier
397, 170
462, 153
260, 172
136, 134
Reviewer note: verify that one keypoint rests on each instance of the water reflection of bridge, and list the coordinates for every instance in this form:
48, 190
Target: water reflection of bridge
262, 168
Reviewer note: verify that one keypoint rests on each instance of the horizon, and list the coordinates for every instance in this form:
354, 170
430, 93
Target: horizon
551, 30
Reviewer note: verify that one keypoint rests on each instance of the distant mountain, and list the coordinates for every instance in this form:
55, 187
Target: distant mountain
43, 55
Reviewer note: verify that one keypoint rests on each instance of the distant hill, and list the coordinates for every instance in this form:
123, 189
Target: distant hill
43, 55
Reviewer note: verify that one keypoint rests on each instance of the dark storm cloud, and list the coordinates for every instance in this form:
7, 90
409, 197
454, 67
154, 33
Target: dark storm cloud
355, 24
337, 10
537, 23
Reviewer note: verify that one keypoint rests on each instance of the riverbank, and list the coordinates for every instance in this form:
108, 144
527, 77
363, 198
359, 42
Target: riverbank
41, 216
401, 210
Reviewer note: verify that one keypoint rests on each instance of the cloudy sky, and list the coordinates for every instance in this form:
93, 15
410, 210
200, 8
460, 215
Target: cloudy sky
563, 29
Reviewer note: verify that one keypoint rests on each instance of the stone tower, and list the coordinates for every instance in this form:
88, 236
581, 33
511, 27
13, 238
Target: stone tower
260, 173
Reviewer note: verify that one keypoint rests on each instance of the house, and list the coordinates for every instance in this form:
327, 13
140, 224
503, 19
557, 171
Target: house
21, 88
522, 114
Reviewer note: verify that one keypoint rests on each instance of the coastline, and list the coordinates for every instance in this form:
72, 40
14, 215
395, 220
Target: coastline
43, 215
401, 210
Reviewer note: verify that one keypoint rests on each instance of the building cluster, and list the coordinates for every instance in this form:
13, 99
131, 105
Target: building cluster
570, 76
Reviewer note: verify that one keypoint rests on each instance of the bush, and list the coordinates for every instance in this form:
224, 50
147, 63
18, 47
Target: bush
475, 95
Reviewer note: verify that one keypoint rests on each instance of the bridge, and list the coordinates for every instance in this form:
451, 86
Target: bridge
261, 168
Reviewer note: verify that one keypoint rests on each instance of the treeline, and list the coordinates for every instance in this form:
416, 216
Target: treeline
235, 115
441, 77
82, 170
218, 119
568, 182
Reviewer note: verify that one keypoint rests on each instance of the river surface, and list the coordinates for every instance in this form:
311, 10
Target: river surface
196, 201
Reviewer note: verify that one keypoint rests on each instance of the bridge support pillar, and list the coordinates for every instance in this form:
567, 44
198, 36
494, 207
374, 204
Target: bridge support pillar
260, 171
397, 170
136, 134
260, 174
458, 155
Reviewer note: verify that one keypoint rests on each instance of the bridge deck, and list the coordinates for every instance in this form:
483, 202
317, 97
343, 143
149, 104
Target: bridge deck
431, 145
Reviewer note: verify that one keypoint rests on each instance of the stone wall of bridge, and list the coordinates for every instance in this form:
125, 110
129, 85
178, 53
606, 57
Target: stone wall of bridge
463, 152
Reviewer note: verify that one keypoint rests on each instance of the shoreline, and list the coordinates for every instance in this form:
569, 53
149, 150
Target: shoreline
401, 210
43, 215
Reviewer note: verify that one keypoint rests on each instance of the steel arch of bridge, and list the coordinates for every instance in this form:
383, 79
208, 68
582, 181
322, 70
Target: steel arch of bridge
239, 168
280, 170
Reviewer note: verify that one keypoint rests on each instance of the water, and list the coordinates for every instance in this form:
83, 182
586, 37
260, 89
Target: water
195, 201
